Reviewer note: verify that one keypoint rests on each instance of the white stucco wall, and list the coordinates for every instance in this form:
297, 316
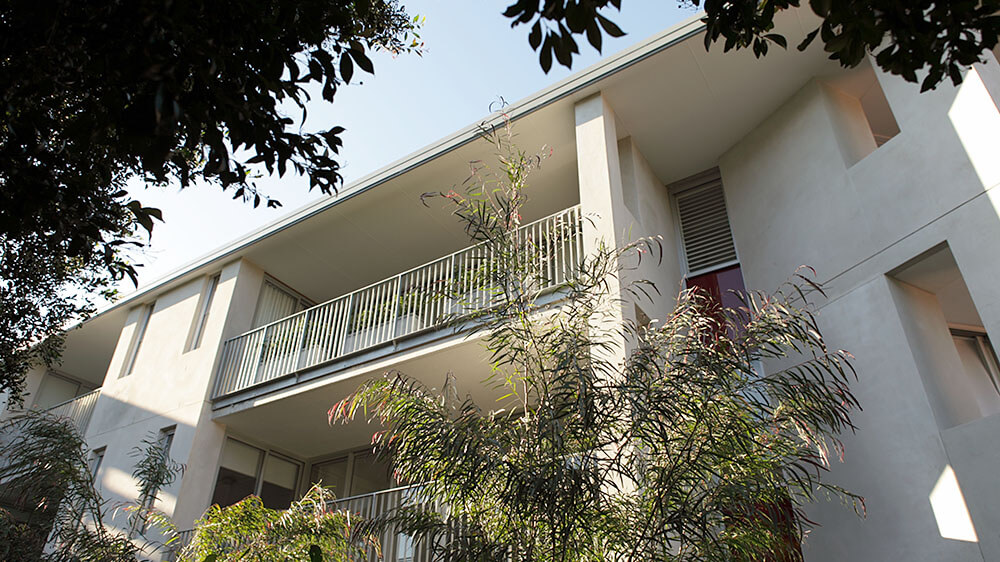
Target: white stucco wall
170, 386
802, 190
650, 215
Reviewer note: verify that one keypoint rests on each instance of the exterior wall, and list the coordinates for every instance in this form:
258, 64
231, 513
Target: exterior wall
170, 386
806, 187
623, 201
803, 189
650, 216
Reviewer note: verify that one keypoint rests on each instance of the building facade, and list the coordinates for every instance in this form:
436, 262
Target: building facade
746, 168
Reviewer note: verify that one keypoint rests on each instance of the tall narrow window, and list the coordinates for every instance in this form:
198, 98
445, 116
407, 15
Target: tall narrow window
166, 439
96, 459
204, 307
140, 332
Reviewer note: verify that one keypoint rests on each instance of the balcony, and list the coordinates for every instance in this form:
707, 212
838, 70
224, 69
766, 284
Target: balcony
395, 547
78, 409
391, 310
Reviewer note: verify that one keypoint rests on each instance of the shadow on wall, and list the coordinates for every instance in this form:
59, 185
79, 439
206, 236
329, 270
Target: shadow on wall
113, 454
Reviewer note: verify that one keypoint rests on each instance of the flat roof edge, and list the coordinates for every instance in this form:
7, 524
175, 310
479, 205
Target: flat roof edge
566, 87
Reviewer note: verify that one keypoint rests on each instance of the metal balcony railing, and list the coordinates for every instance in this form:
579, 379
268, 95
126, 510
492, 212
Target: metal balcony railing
78, 409
395, 546
401, 306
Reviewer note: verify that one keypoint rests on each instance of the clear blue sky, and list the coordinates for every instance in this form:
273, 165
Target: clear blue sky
472, 58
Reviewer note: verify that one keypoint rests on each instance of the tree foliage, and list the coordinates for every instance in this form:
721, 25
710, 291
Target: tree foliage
701, 437
46, 477
310, 529
46, 474
935, 38
94, 94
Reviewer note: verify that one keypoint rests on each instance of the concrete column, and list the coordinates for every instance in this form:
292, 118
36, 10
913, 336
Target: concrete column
600, 177
606, 219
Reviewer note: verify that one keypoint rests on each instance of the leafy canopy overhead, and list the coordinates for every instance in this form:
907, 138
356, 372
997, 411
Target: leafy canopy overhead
96, 93
934, 37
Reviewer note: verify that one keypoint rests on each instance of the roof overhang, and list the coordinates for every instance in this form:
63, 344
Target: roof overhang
682, 105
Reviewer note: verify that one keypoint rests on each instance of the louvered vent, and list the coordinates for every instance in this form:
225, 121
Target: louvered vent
708, 241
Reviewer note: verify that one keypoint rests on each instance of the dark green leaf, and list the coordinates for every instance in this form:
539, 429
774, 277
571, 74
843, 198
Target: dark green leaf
346, 69
610, 27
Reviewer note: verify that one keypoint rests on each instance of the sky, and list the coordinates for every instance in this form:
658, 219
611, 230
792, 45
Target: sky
471, 59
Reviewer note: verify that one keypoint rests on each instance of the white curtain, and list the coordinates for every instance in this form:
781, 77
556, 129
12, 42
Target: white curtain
275, 303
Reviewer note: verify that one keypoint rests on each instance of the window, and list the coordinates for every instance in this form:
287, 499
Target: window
708, 248
354, 474
953, 355
977, 356
238, 471
279, 481
96, 459
166, 438
56, 389
201, 317
875, 106
247, 470
276, 302
332, 475
140, 332
862, 117
721, 285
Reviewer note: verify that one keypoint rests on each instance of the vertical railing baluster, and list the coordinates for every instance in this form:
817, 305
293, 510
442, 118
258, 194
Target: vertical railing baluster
394, 317
300, 347
260, 354
348, 316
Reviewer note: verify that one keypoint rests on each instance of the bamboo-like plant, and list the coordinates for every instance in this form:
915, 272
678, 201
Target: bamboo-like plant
699, 437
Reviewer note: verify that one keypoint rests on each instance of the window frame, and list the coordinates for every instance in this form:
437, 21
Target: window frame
351, 456
82, 387
207, 296
95, 461
138, 335
984, 346
259, 470
303, 301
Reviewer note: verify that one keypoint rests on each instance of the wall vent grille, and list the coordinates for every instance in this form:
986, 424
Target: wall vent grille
708, 240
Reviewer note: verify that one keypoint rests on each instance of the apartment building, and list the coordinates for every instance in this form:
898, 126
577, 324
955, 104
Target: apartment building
746, 168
